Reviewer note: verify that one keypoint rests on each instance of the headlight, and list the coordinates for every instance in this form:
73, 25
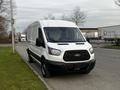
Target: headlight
91, 50
53, 51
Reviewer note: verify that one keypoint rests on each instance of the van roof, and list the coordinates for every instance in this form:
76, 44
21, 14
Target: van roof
57, 23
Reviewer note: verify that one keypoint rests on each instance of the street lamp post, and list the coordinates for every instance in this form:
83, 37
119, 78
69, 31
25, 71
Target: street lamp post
12, 27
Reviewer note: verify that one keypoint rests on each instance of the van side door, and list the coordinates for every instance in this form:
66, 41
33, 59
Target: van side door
39, 49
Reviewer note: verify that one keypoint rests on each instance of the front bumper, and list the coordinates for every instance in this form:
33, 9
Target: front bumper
69, 66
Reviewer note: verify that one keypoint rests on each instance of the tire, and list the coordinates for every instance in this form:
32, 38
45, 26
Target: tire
89, 68
44, 70
30, 59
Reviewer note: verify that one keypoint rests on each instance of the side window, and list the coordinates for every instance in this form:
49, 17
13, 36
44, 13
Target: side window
40, 36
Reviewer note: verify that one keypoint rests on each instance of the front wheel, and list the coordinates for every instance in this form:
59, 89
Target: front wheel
30, 59
44, 70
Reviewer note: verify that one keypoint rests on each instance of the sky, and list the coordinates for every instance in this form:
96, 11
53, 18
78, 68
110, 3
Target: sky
98, 12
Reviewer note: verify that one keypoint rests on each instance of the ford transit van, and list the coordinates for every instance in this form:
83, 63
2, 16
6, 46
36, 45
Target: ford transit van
59, 45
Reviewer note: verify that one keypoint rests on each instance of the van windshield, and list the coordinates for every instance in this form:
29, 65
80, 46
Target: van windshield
63, 34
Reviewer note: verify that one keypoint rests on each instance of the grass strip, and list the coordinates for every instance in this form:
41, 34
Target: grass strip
15, 74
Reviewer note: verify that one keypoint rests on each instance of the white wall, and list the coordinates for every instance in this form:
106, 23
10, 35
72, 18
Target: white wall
110, 31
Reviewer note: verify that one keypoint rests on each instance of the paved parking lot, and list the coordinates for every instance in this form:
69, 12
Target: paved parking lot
105, 76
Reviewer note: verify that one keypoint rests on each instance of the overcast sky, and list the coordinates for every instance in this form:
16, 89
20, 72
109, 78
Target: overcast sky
99, 12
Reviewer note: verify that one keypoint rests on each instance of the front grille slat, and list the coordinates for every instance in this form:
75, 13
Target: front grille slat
76, 55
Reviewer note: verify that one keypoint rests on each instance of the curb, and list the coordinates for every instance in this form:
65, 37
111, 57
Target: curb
35, 72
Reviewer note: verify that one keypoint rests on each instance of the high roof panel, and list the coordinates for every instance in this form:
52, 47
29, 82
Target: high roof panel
57, 23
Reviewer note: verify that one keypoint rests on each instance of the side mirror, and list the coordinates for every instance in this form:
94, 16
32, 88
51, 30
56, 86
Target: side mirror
39, 42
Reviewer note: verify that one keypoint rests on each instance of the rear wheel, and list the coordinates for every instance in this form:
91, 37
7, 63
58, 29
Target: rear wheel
44, 70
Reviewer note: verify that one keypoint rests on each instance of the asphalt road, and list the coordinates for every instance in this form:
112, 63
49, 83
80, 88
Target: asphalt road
105, 76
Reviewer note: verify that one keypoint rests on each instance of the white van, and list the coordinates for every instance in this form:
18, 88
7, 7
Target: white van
22, 37
59, 45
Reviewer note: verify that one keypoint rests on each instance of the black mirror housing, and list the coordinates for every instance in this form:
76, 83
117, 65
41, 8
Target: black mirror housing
38, 42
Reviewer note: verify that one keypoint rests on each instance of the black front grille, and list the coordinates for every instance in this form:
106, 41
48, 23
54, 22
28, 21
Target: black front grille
76, 55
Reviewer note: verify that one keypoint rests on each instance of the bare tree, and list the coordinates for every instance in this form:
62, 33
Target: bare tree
4, 7
3, 33
50, 17
5, 13
78, 16
117, 2
2, 24
5, 19
63, 17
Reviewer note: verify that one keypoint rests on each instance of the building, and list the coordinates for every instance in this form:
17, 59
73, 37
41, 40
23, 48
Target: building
109, 32
91, 33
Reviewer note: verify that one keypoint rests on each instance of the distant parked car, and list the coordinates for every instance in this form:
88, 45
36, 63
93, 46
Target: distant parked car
22, 37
